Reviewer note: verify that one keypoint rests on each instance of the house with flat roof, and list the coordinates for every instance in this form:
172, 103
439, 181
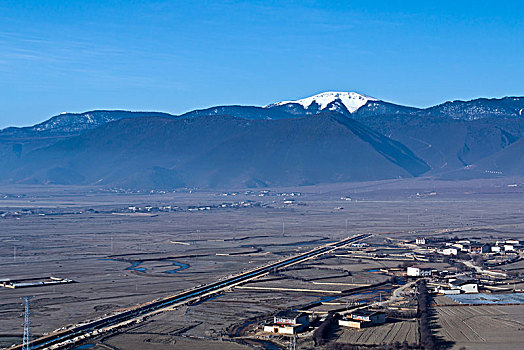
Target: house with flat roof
479, 248
420, 240
288, 322
418, 271
363, 318
465, 285
449, 251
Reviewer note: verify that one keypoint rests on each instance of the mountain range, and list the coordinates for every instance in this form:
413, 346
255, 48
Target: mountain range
329, 137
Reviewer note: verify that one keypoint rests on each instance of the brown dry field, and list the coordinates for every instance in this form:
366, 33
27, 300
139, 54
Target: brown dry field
481, 326
388, 333
96, 248
133, 341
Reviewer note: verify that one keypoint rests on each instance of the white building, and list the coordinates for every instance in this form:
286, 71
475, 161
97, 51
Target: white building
512, 242
416, 271
449, 251
359, 245
448, 291
363, 318
420, 241
281, 329
288, 322
465, 286
495, 249
461, 246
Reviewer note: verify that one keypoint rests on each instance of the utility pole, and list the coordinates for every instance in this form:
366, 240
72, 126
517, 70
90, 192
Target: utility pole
293, 342
26, 342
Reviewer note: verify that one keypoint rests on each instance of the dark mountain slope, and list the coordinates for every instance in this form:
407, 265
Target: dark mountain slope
392, 150
308, 150
75, 123
15, 142
509, 161
221, 151
124, 149
381, 108
447, 144
448, 137
507, 107
245, 112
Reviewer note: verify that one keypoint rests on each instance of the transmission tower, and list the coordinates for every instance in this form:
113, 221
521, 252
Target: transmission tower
26, 342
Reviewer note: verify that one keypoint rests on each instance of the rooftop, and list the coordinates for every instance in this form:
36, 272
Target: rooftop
288, 314
365, 312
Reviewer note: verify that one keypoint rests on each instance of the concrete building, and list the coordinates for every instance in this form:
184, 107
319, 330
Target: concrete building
363, 318
496, 249
463, 247
465, 286
418, 271
448, 291
512, 242
509, 247
420, 240
288, 322
464, 241
449, 251
291, 318
477, 248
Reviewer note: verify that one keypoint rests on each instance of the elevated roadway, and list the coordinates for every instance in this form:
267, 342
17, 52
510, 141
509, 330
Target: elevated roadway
67, 337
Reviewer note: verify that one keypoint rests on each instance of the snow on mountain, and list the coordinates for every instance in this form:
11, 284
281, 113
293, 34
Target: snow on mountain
72, 123
351, 100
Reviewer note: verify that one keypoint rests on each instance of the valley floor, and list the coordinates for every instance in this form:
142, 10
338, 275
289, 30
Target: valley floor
119, 258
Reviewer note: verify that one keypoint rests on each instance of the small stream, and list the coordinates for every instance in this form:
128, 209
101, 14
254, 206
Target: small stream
136, 265
181, 266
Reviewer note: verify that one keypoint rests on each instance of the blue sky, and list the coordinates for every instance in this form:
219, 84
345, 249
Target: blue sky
175, 56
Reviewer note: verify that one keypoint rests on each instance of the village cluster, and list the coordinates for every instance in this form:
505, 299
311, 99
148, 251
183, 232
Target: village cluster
437, 266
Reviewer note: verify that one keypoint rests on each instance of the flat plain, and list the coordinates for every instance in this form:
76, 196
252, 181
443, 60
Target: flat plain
119, 257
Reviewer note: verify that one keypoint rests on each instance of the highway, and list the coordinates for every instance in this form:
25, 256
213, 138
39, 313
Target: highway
81, 331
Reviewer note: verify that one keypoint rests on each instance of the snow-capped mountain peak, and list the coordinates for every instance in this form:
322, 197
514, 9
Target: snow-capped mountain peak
351, 100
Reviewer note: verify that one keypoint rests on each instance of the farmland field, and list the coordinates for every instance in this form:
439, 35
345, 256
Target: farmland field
384, 334
118, 261
481, 326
